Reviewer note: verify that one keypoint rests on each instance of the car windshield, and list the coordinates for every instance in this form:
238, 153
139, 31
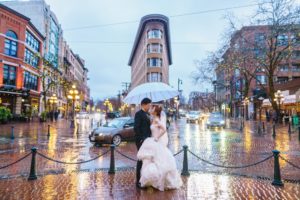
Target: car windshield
117, 123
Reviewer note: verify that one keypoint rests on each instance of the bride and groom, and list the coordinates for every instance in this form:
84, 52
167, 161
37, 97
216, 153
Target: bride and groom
156, 165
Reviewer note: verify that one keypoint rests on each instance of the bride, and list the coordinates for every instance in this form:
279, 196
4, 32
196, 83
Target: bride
159, 166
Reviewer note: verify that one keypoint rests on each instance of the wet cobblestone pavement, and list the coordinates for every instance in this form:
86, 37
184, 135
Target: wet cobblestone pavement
229, 147
100, 185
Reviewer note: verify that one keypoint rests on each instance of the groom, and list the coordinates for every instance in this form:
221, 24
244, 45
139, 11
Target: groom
142, 131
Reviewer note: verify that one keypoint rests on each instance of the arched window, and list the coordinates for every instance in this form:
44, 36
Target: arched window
11, 45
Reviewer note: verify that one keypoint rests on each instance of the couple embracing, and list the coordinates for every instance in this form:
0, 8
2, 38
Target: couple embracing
156, 165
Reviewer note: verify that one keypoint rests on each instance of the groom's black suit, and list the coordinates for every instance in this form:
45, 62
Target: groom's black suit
142, 131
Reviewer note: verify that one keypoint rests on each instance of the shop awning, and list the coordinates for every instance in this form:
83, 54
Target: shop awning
266, 102
289, 99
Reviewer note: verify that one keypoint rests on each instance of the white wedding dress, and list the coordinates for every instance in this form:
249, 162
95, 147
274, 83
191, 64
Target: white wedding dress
159, 166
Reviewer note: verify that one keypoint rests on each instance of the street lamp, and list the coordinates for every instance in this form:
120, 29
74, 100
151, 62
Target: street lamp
106, 103
52, 101
261, 99
279, 100
73, 95
246, 102
176, 101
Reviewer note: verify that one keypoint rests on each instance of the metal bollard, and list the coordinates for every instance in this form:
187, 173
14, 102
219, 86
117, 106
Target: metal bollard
299, 133
274, 131
289, 130
32, 175
259, 128
185, 167
241, 126
48, 130
112, 168
12, 134
277, 177
263, 127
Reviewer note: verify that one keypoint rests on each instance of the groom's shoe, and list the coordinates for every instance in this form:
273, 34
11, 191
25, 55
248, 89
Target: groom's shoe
139, 186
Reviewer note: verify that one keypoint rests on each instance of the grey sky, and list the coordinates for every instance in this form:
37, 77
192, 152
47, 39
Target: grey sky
107, 63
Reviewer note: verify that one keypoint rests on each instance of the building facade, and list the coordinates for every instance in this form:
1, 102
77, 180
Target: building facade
151, 54
57, 53
20, 43
247, 51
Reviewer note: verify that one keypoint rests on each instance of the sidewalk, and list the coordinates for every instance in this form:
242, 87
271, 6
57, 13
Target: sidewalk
101, 185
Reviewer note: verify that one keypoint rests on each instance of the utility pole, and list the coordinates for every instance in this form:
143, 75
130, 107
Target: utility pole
126, 85
179, 81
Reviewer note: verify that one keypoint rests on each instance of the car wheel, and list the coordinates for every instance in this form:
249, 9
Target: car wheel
116, 140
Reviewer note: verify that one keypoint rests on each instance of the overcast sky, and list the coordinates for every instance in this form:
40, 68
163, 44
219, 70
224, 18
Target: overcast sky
106, 49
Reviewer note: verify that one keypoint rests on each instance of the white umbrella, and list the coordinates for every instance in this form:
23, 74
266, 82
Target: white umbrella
156, 91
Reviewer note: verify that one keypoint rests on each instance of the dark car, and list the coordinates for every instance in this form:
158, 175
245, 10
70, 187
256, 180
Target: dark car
114, 132
112, 115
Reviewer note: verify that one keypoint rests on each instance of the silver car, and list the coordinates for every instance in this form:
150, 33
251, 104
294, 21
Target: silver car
193, 116
215, 120
114, 132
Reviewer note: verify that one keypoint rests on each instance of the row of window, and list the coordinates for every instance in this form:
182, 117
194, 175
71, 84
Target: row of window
154, 48
154, 34
286, 68
154, 77
282, 39
154, 62
31, 58
11, 47
32, 41
30, 81
9, 75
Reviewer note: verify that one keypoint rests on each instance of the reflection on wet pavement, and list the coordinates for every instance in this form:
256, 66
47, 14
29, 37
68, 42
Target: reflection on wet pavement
226, 147
100, 185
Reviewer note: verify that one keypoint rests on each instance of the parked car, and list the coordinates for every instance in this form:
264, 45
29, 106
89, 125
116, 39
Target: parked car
112, 115
215, 120
182, 113
193, 116
114, 132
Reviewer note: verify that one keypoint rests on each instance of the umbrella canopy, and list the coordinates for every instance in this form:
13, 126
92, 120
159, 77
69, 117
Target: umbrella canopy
156, 91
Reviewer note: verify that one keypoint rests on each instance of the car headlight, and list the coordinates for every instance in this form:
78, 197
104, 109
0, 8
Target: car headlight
222, 122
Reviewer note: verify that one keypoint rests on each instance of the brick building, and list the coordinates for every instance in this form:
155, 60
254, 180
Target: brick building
247, 47
54, 51
151, 54
20, 41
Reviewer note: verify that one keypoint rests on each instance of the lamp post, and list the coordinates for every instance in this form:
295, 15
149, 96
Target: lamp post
106, 103
279, 99
261, 99
73, 95
52, 101
176, 104
246, 102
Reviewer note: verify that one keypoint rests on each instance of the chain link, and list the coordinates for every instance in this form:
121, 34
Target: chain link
132, 159
231, 167
178, 153
289, 162
72, 163
15, 161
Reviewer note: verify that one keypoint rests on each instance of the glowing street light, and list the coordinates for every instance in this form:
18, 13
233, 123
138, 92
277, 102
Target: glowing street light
73, 95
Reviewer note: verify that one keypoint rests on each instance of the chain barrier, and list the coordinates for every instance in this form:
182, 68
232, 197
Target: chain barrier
178, 153
231, 167
135, 160
16, 161
289, 162
132, 159
72, 163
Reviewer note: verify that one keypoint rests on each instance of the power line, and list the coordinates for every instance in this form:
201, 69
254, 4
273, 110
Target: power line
130, 43
171, 16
